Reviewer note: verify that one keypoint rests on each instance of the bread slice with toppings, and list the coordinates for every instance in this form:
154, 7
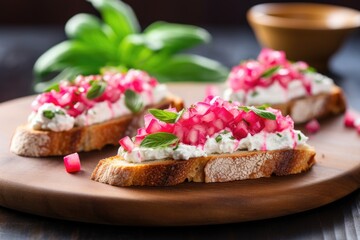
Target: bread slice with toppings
239, 165
317, 106
211, 141
89, 113
38, 143
293, 87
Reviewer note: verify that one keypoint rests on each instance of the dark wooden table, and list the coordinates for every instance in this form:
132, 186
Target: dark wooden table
20, 47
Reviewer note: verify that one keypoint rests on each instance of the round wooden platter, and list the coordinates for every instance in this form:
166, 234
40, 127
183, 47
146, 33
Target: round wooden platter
42, 186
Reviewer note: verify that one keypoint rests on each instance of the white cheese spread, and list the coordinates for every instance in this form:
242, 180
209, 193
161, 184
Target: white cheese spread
286, 139
100, 112
275, 93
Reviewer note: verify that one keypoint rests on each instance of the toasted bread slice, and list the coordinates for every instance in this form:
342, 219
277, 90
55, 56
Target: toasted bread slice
38, 143
214, 168
317, 106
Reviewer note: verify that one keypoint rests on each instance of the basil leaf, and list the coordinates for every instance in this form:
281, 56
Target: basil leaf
175, 37
135, 50
49, 114
159, 140
270, 72
133, 101
310, 70
260, 112
164, 116
218, 138
96, 90
55, 87
263, 107
119, 16
88, 29
186, 67
69, 54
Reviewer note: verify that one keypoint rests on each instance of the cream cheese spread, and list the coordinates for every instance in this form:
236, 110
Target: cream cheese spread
100, 112
275, 93
220, 143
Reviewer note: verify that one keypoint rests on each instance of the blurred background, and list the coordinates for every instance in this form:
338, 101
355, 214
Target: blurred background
29, 28
199, 12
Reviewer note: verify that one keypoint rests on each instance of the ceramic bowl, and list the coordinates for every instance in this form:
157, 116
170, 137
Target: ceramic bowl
305, 31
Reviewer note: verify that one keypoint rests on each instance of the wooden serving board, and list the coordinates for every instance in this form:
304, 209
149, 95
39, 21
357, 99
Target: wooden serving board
42, 186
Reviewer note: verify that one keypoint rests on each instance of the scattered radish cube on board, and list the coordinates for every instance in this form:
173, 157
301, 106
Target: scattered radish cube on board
313, 126
350, 118
72, 163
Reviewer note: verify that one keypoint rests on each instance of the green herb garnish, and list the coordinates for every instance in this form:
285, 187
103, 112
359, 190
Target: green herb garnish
260, 111
279, 135
254, 93
59, 112
96, 90
49, 114
133, 101
218, 138
166, 116
159, 140
299, 137
271, 71
115, 41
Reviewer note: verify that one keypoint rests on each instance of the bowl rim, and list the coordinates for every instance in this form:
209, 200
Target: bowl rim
259, 14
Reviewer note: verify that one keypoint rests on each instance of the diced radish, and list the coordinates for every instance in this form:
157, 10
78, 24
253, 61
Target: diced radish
202, 108
147, 119
218, 124
154, 126
179, 131
72, 163
193, 137
270, 125
209, 117
141, 131
313, 126
349, 118
225, 115
251, 117
127, 143
212, 90
138, 139
241, 130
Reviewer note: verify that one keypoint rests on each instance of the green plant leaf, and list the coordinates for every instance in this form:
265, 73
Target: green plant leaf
133, 101
165, 116
271, 71
119, 16
68, 54
190, 68
88, 29
175, 37
134, 50
96, 90
159, 140
48, 114
260, 112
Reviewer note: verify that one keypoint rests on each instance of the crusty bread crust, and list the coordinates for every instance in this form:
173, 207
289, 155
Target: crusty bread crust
214, 168
38, 143
318, 106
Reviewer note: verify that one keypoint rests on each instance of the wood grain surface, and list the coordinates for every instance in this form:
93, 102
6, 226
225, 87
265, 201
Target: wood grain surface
41, 185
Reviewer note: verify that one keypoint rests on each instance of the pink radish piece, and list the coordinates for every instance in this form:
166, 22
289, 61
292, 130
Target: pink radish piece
313, 126
72, 163
350, 118
127, 143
